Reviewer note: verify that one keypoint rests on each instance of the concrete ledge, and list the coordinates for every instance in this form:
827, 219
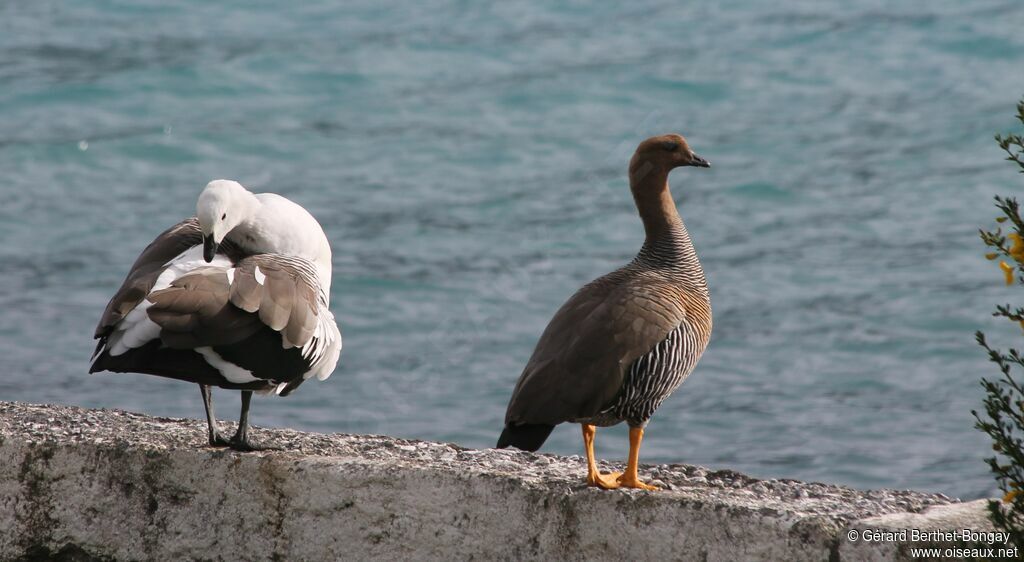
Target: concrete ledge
109, 485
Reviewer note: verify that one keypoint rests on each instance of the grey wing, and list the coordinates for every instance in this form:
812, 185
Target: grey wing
144, 272
195, 311
213, 306
286, 293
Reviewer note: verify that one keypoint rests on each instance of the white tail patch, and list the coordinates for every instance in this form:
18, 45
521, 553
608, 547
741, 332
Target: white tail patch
228, 370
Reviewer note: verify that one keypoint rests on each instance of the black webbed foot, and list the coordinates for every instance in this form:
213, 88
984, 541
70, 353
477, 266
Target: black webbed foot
240, 441
218, 440
245, 445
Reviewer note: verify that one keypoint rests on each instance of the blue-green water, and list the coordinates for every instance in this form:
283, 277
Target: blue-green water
469, 164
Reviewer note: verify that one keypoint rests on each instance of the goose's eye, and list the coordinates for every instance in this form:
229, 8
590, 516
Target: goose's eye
670, 146
224, 216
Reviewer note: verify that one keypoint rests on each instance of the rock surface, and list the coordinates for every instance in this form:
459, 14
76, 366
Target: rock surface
80, 484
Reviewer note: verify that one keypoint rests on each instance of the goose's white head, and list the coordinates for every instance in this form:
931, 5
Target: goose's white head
223, 205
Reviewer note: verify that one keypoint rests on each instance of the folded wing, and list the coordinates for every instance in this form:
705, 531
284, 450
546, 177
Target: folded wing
215, 306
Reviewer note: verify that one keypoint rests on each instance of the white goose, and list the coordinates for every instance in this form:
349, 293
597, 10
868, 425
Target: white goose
236, 297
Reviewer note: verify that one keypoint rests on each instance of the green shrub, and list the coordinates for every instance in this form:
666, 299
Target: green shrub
1003, 418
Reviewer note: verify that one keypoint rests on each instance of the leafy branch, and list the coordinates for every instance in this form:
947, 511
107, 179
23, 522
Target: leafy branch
1003, 418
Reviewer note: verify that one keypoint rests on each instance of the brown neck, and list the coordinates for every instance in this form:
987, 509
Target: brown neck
649, 185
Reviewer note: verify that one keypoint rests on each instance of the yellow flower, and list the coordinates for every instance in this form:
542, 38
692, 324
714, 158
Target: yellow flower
1017, 251
991, 256
1008, 271
1010, 495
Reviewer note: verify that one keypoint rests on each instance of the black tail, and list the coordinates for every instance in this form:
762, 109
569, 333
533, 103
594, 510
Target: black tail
527, 436
155, 359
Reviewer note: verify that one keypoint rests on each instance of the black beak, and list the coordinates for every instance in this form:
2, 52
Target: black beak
698, 162
209, 248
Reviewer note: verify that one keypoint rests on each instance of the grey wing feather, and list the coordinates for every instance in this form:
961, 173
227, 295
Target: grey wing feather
144, 272
194, 311
286, 294
246, 293
207, 307
148, 267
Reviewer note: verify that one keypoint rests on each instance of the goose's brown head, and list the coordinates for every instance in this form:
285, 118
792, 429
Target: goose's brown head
665, 152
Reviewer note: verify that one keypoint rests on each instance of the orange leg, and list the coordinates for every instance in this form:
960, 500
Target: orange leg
630, 479
594, 477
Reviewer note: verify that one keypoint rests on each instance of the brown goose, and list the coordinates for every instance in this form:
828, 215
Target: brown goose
620, 345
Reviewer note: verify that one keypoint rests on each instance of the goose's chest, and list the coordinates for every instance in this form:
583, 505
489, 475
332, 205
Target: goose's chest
654, 376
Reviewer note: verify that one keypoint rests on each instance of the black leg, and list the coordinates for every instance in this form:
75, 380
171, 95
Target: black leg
241, 441
216, 440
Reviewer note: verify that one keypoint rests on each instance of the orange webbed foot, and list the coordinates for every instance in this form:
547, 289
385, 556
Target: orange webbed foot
608, 481
627, 481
